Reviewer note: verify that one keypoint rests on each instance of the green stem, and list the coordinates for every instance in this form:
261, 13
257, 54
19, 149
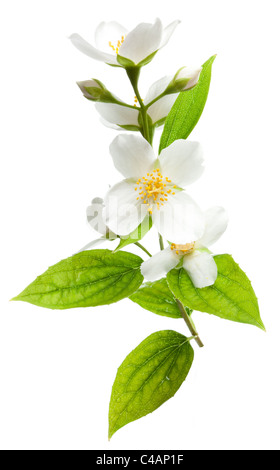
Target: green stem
189, 323
143, 248
185, 316
126, 105
155, 100
133, 75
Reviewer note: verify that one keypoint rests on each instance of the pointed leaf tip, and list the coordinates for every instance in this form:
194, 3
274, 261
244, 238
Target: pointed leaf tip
231, 297
187, 109
149, 376
87, 279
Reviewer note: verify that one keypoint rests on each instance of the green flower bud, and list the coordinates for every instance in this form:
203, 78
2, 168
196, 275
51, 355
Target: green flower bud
94, 90
184, 79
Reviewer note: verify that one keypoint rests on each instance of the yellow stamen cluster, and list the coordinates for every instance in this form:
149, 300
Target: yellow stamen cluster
183, 249
117, 47
153, 189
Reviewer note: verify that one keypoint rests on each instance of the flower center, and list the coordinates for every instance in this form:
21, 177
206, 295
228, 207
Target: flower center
183, 250
154, 190
117, 47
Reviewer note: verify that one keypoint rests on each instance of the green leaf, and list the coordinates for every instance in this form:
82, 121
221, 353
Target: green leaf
87, 279
187, 109
150, 375
157, 298
137, 234
231, 297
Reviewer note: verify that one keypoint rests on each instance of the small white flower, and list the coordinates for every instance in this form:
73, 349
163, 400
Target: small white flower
153, 186
198, 263
113, 42
117, 115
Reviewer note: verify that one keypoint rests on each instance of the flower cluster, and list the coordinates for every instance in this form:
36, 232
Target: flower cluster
152, 186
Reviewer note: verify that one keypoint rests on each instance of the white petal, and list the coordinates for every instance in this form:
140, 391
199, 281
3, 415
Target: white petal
161, 108
110, 125
106, 32
92, 244
167, 32
182, 162
94, 216
142, 41
201, 268
216, 221
159, 265
157, 89
133, 156
86, 48
122, 212
180, 220
117, 114
89, 84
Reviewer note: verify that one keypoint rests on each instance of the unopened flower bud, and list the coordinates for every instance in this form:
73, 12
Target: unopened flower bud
188, 77
94, 90
184, 79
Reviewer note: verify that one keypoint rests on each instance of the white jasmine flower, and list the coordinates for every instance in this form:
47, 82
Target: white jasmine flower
154, 186
114, 42
116, 115
197, 260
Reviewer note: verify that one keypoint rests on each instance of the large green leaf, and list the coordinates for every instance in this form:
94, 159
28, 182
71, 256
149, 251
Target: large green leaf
187, 109
231, 297
150, 375
87, 279
157, 298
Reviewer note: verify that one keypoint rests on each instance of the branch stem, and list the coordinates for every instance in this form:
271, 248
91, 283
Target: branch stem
143, 248
155, 100
133, 75
126, 105
189, 323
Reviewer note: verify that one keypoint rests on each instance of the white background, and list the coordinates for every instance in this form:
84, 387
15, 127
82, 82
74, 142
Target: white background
57, 367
